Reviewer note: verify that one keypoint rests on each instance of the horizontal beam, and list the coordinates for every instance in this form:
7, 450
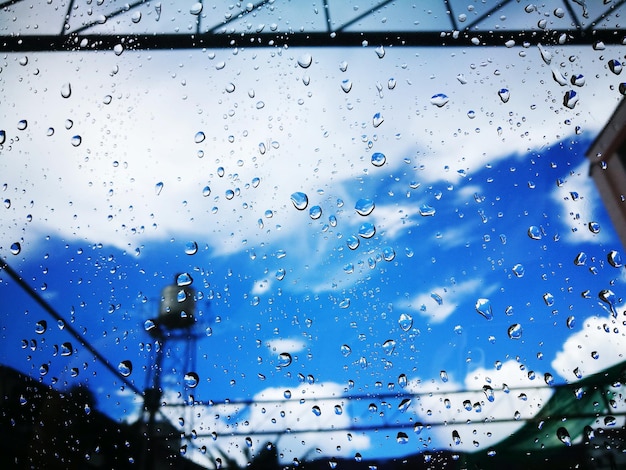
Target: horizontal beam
158, 41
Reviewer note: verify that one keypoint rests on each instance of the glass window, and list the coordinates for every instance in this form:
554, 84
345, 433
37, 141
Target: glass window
331, 235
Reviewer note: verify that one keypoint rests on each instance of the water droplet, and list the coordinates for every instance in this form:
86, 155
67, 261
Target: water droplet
191, 248
389, 253
206, 191
76, 140
199, 137
196, 8
136, 17
443, 375
571, 322
548, 379
515, 331
367, 230
548, 298
345, 303
608, 296
483, 306
364, 207
316, 410
149, 325
504, 94
315, 212
299, 200
405, 321
16, 248
125, 368
489, 394
534, 232
41, 326
23, 124
284, 359
345, 350
615, 66
377, 119
594, 227
43, 369
402, 438
346, 85
184, 279
564, 436
426, 210
380, 52
389, 346
158, 188
305, 60
280, 274
352, 242
3, 136
66, 90
118, 49
471, 114
191, 379
518, 270
614, 258
378, 159
581, 259
439, 100
577, 80
570, 99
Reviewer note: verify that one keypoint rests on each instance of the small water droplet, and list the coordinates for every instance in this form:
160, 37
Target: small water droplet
504, 94
315, 212
184, 279
594, 227
316, 410
3, 136
16, 248
570, 99
581, 259
614, 258
158, 188
518, 270
76, 140
377, 119
439, 100
280, 274
345, 303
352, 242
364, 207
380, 52
23, 124
548, 298
534, 232
299, 200
443, 375
346, 85
483, 307
426, 210
345, 350
125, 368
389, 253
570, 322
402, 438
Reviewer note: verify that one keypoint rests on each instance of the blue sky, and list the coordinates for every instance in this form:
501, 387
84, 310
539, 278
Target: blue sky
103, 238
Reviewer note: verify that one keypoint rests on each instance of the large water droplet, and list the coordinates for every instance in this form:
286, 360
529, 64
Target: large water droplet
426, 210
299, 200
367, 230
191, 248
581, 259
489, 394
380, 52
345, 350
614, 258
405, 321
315, 212
443, 375
305, 60
346, 85
184, 279
389, 346
564, 436
615, 66
316, 410
377, 119
352, 242
483, 306
41, 326
199, 137
16, 248
548, 298
364, 207
284, 359
378, 159
76, 140
534, 232
66, 90
191, 379
125, 368
196, 8
518, 270
594, 227
515, 331
608, 297
402, 438
3, 136
158, 188
504, 94
439, 100
570, 99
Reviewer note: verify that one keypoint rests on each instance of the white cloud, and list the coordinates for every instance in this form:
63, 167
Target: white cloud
466, 408
579, 200
600, 344
442, 301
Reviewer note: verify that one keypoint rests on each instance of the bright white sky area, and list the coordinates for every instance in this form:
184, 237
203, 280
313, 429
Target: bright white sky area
113, 168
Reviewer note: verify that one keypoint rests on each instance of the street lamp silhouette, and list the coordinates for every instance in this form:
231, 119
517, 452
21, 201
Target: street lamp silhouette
174, 323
